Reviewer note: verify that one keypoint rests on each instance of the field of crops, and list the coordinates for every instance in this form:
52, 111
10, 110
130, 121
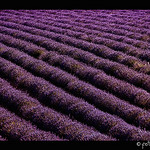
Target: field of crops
74, 75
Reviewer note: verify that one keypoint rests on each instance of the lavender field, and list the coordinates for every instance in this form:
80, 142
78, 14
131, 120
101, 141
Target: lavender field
74, 75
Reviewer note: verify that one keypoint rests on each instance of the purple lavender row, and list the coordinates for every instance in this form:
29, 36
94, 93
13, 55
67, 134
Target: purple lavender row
125, 48
130, 25
133, 12
63, 79
129, 40
119, 56
47, 118
141, 25
130, 94
113, 55
110, 123
137, 20
84, 26
16, 128
31, 109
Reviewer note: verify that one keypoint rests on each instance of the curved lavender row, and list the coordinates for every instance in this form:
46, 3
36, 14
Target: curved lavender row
143, 56
109, 30
13, 43
105, 35
89, 74
108, 122
131, 93
47, 118
133, 62
15, 128
62, 79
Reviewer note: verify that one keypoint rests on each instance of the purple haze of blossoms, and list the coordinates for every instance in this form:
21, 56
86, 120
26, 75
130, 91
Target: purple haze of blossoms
74, 75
